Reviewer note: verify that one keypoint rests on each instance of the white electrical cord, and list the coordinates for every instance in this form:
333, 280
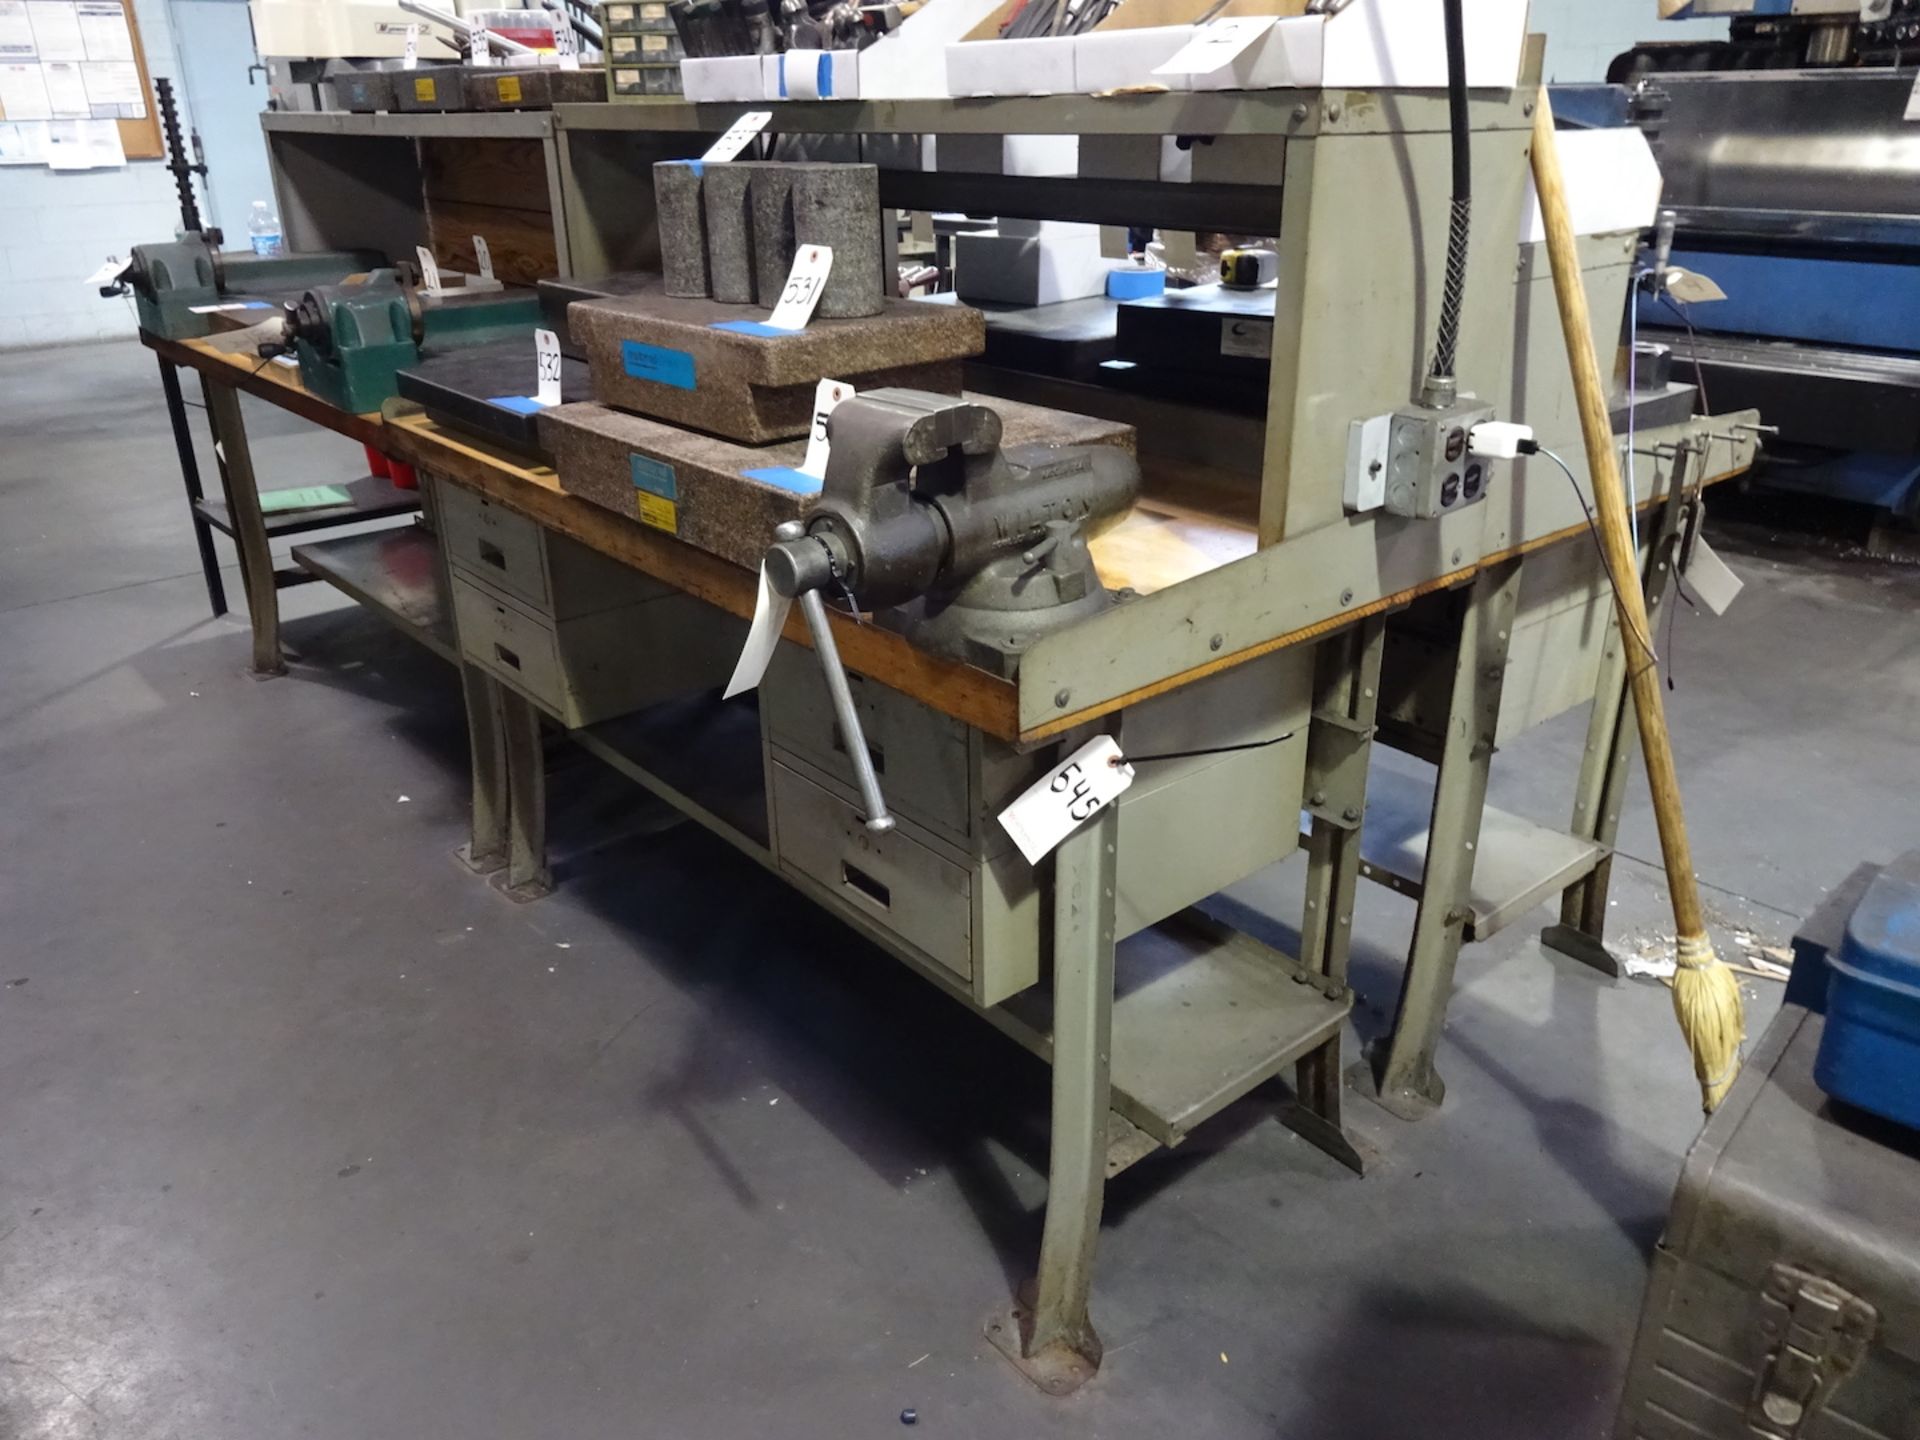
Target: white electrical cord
1633, 406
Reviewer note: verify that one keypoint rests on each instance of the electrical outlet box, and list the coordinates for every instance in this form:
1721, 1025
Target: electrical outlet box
1429, 468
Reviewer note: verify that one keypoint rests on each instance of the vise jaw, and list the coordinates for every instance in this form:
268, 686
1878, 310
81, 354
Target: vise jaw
972, 550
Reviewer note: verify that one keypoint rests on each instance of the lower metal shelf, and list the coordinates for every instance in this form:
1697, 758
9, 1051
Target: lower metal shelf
395, 573
1517, 864
1201, 1016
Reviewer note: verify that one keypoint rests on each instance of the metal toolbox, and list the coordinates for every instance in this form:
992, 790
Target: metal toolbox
1785, 1295
949, 886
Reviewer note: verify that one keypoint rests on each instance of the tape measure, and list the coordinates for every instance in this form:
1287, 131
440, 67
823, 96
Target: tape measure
1248, 269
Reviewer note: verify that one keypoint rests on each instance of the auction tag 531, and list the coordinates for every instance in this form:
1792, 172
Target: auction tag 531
1066, 797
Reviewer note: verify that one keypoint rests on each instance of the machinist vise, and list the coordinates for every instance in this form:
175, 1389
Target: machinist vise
177, 284
969, 550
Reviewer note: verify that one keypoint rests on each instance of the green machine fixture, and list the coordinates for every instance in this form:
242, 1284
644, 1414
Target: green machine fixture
176, 283
353, 338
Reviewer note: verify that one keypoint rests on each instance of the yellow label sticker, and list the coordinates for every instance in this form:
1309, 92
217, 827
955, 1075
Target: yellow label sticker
653, 14
423, 90
659, 512
624, 45
619, 13
626, 77
509, 86
654, 42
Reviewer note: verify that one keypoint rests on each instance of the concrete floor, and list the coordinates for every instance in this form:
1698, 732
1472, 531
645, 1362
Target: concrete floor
306, 1131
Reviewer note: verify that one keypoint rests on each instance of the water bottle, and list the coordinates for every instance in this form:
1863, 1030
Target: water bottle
263, 227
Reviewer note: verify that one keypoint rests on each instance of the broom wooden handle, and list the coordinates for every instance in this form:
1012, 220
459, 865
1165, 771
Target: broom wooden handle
1610, 505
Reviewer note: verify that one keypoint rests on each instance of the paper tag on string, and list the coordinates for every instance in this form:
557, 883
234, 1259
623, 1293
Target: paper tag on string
546, 361
827, 396
770, 609
1066, 797
1713, 582
410, 59
1216, 45
429, 270
477, 52
802, 292
564, 45
735, 140
483, 257
106, 273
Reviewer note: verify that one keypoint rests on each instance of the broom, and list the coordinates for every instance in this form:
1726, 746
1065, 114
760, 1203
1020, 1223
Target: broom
1706, 996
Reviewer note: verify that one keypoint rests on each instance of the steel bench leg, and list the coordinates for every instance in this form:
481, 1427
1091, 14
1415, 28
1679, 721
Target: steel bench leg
1409, 1086
249, 526
1345, 704
486, 849
190, 477
1053, 1340
526, 876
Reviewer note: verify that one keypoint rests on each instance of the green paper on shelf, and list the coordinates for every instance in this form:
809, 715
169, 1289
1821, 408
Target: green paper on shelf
309, 497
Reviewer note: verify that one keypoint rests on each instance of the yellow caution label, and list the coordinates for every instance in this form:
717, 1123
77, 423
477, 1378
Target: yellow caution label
423, 90
659, 512
509, 86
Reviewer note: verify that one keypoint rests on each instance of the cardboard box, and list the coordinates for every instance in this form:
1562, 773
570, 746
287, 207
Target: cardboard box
1372, 45
1111, 59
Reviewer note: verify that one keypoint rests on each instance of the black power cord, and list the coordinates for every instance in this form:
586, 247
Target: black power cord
1460, 220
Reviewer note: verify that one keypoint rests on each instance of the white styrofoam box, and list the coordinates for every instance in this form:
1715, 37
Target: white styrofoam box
723, 77
1060, 262
1375, 44
1040, 155
1043, 65
1289, 56
911, 62
1107, 60
813, 75
1613, 184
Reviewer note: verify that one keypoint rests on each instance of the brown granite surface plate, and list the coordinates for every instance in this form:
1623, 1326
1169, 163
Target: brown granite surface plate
659, 355
714, 502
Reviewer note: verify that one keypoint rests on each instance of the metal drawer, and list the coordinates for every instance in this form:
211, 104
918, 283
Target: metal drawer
892, 880
494, 545
511, 643
920, 755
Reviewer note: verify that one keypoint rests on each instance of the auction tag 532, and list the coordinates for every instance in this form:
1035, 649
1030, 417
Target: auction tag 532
1067, 796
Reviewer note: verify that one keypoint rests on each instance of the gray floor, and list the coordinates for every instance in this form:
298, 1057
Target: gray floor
305, 1131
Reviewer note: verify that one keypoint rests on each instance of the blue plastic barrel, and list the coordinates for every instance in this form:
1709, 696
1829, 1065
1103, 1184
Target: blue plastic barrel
1870, 1054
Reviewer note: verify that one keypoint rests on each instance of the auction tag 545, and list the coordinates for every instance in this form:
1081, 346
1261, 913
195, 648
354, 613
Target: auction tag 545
1066, 797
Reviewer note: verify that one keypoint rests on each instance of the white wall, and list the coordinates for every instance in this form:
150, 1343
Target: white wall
56, 229
1583, 36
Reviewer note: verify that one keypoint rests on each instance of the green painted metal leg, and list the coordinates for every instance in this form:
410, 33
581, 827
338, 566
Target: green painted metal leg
486, 850
526, 876
1409, 1086
1345, 706
1053, 1340
1612, 745
249, 526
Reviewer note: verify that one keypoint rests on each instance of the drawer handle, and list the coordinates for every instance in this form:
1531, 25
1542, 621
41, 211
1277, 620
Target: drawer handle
857, 879
505, 656
493, 554
874, 753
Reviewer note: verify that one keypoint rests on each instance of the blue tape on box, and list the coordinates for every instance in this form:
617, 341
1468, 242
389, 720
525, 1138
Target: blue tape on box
518, 404
1130, 282
257, 304
656, 477
787, 478
752, 327
657, 363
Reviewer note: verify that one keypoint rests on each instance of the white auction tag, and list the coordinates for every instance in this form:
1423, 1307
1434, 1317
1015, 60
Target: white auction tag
827, 395
804, 283
484, 256
1066, 797
546, 363
411, 59
113, 266
477, 51
1216, 45
1913, 101
563, 41
429, 271
735, 140
1690, 287
770, 609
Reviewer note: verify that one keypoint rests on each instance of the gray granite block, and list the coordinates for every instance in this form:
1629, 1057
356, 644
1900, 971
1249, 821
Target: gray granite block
839, 206
730, 231
683, 227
